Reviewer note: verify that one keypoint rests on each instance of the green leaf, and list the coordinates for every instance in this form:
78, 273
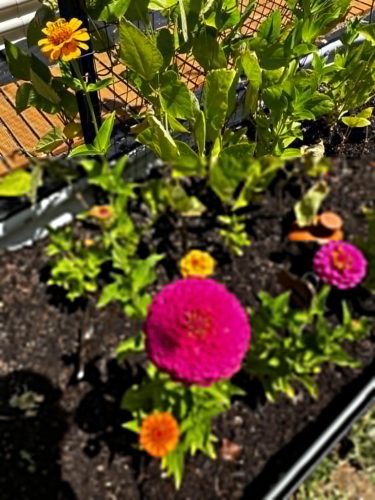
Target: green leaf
188, 163
132, 426
270, 28
143, 272
366, 113
138, 51
183, 20
161, 4
253, 72
216, 99
306, 209
175, 97
165, 44
359, 120
69, 103
99, 85
50, 141
175, 125
107, 10
130, 346
159, 140
16, 183
44, 88
103, 139
368, 32
138, 11
174, 465
355, 121
18, 61
208, 51
39, 21
199, 131
320, 104
231, 167
84, 150
291, 154
188, 206
26, 97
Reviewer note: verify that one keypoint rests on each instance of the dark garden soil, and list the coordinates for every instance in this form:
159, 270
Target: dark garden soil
60, 422
339, 140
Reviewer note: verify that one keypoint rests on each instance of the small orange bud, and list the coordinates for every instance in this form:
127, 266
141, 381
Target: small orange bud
88, 242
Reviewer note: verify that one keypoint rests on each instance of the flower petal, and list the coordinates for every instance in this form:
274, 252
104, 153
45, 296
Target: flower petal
83, 46
75, 23
81, 35
55, 54
47, 48
70, 51
43, 41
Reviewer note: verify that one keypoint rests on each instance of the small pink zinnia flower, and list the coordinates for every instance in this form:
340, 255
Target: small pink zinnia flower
340, 264
197, 331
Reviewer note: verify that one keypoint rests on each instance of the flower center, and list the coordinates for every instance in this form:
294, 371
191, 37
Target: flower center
197, 323
341, 260
61, 32
103, 212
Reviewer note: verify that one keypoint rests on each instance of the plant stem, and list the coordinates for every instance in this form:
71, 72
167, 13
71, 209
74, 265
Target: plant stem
87, 94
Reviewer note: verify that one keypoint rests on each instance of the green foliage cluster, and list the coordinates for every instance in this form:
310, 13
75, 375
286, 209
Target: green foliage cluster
368, 247
289, 346
194, 408
77, 267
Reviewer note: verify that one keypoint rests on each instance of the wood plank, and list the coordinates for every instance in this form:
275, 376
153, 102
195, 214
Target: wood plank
10, 151
32, 116
24, 137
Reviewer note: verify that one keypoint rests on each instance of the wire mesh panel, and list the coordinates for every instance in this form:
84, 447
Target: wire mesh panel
260, 12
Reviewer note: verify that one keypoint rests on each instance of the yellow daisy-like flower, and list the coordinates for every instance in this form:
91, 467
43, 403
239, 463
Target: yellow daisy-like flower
64, 39
198, 264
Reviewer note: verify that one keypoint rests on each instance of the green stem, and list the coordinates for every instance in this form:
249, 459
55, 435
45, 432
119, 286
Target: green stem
87, 94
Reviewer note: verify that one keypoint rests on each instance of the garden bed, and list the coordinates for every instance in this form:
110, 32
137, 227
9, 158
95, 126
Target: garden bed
64, 439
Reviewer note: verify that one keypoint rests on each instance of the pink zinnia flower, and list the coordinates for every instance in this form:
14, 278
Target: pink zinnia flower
197, 331
340, 264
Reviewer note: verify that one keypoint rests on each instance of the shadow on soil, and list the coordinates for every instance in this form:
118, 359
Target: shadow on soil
32, 426
99, 412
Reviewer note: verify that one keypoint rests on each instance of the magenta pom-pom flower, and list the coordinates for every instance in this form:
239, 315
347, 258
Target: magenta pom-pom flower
197, 331
340, 264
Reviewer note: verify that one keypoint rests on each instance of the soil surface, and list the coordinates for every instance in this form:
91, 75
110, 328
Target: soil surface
339, 140
61, 387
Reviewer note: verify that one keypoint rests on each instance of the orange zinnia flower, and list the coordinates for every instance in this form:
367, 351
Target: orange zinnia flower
101, 212
64, 39
159, 434
198, 264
